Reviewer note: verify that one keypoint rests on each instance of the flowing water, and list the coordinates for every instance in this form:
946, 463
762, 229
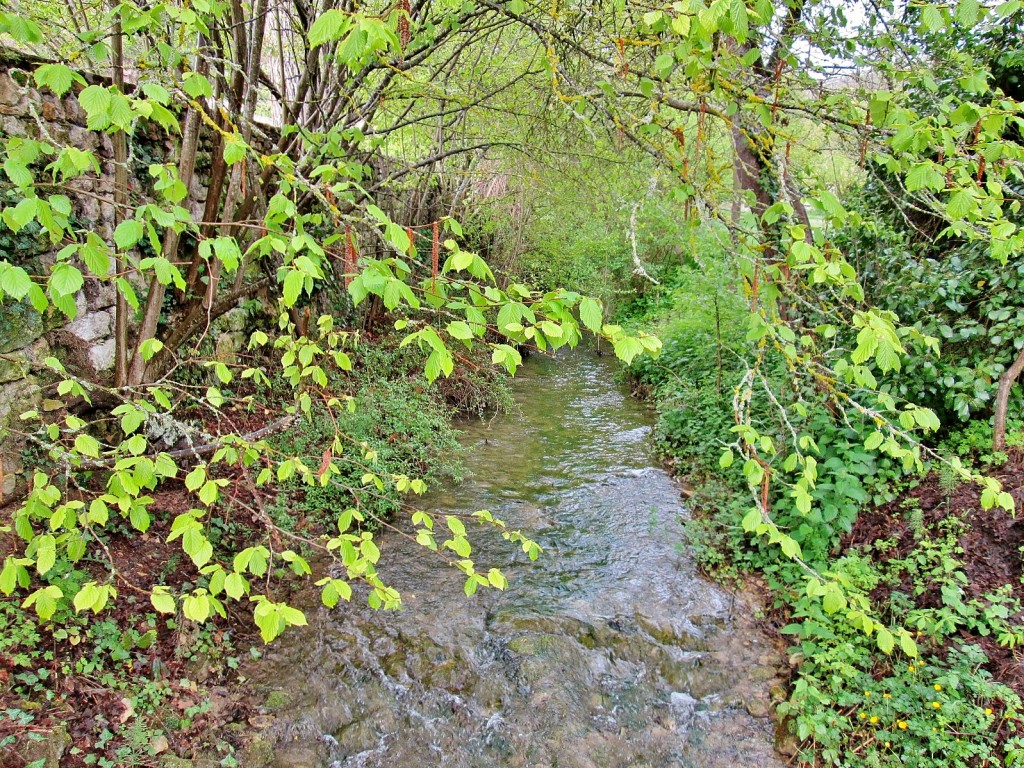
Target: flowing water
609, 651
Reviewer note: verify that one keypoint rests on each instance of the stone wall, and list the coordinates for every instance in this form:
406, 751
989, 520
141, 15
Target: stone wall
85, 345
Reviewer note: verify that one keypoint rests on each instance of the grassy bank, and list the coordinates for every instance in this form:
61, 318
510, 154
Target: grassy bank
915, 550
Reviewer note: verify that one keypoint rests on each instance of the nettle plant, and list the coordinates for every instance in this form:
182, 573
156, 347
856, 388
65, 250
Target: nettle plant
285, 214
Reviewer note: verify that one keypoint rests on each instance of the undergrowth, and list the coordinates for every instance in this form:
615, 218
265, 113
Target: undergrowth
850, 704
134, 687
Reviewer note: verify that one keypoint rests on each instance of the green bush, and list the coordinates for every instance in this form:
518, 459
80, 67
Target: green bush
942, 709
405, 422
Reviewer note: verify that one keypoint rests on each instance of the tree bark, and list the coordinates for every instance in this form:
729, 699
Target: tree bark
120, 140
1006, 382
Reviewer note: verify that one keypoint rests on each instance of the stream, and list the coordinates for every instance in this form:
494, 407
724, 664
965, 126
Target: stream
608, 651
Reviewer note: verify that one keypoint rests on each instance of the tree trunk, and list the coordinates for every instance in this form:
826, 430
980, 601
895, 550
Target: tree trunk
155, 300
1006, 382
120, 140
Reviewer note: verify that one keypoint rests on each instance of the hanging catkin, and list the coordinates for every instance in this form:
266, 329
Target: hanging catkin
435, 252
404, 27
350, 256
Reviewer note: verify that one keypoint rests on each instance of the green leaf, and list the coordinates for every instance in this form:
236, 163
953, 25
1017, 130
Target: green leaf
293, 284
967, 12
9, 575
627, 348
507, 356
15, 282
330, 26
139, 518
128, 233
196, 546
925, 176
591, 314
460, 545
65, 280
236, 585
931, 18
46, 554
460, 330
369, 550
461, 260
21, 214
752, 520
234, 149
195, 479
95, 100
57, 77
215, 397
156, 92
196, 607
196, 85
907, 644
886, 641
87, 445
44, 600
497, 579
18, 173
86, 597
162, 602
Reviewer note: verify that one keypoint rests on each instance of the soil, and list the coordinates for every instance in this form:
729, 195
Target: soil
991, 543
84, 705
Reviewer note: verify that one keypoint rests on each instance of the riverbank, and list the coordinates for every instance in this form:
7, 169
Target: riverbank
915, 551
141, 688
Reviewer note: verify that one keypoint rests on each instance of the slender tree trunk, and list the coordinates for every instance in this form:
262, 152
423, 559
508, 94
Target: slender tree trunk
155, 300
1006, 382
120, 140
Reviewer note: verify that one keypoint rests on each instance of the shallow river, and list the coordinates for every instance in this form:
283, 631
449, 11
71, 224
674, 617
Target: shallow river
607, 652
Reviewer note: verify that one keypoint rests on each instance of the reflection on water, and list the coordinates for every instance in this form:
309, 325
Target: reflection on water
609, 651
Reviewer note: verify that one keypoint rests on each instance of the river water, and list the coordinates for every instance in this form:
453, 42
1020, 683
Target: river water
609, 651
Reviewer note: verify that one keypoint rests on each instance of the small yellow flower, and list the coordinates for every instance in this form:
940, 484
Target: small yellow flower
937, 687
910, 668
887, 745
902, 724
886, 695
936, 705
867, 693
862, 716
988, 710
874, 719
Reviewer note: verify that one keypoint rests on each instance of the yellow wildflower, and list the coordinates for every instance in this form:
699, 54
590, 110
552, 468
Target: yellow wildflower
936, 705
902, 724
886, 695
988, 710
937, 687
874, 719
862, 716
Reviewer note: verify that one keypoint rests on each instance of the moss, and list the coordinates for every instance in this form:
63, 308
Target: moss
276, 700
20, 325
